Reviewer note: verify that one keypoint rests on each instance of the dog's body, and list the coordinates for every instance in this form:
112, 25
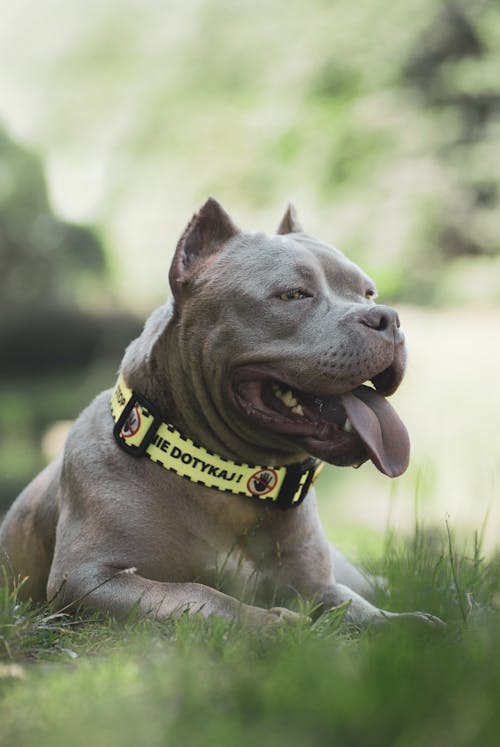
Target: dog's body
251, 315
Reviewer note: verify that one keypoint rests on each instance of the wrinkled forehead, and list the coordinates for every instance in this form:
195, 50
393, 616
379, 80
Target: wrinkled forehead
289, 260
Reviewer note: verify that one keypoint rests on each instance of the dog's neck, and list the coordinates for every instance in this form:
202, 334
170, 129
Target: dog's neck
154, 366
139, 431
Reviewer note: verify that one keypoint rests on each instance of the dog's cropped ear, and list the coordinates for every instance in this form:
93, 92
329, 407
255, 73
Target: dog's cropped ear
290, 222
209, 229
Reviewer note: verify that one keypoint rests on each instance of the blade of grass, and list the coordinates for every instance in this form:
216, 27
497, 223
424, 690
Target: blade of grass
454, 572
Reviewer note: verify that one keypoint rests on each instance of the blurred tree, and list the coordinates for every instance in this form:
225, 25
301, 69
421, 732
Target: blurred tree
52, 273
451, 54
42, 258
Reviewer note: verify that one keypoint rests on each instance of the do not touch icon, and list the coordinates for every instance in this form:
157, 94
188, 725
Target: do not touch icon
262, 482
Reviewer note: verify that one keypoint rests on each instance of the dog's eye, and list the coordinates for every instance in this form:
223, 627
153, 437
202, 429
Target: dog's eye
371, 294
294, 294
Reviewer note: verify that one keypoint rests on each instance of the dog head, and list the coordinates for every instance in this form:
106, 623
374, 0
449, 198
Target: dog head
282, 346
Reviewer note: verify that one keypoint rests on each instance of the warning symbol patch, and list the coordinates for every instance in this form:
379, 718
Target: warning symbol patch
132, 424
262, 482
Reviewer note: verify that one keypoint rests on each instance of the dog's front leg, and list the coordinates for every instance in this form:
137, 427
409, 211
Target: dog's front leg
360, 612
357, 579
310, 566
122, 592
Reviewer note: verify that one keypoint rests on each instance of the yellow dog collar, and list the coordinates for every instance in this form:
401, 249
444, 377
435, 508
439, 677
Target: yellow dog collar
140, 431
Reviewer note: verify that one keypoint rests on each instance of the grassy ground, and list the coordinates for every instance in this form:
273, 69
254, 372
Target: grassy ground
211, 683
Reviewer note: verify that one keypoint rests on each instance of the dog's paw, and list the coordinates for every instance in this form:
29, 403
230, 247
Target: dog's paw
283, 615
418, 617
257, 617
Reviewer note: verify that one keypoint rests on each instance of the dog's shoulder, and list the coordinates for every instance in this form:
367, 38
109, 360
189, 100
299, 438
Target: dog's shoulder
90, 445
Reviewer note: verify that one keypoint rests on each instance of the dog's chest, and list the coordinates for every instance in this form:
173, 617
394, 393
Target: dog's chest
230, 547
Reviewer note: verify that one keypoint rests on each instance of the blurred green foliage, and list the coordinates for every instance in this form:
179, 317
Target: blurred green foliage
381, 123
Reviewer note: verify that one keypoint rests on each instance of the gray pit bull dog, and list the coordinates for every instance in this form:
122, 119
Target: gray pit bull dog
260, 360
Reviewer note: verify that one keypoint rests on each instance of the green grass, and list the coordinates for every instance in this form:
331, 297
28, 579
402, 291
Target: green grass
194, 682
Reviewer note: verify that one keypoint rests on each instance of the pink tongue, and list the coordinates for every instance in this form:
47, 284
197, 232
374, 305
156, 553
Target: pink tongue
380, 428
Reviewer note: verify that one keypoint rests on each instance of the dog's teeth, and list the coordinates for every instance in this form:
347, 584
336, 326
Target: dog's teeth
287, 397
347, 426
289, 400
298, 410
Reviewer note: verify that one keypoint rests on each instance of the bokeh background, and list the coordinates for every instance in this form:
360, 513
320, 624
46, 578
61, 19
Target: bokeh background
381, 122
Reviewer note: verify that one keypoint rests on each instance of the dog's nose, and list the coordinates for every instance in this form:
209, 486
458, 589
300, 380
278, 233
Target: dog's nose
381, 319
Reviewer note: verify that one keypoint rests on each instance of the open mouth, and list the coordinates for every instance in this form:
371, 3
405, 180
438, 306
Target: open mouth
343, 429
